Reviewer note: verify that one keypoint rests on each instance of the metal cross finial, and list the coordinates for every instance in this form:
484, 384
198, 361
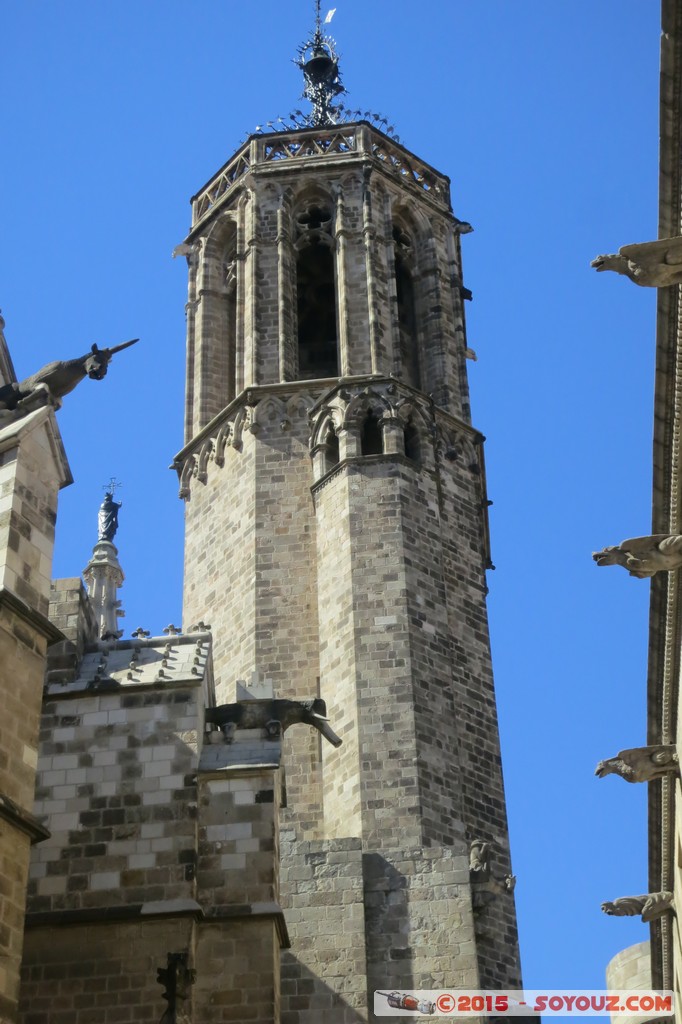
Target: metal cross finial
317, 15
112, 486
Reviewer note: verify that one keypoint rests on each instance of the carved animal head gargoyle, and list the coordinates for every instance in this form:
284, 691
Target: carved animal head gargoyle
655, 264
58, 378
479, 859
641, 764
651, 905
176, 978
644, 556
273, 715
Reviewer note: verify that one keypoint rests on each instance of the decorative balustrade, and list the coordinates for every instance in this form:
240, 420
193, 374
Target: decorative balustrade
337, 141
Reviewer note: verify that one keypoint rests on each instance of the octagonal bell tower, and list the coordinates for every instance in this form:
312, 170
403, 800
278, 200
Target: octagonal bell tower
336, 539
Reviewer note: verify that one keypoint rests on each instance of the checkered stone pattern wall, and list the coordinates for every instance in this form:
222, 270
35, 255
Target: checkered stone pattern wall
116, 788
158, 841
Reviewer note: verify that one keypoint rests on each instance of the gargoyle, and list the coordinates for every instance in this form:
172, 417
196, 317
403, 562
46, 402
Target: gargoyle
651, 264
176, 979
650, 906
641, 764
273, 715
644, 556
61, 376
479, 858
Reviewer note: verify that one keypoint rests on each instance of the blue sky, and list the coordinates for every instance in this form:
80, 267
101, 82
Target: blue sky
545, 116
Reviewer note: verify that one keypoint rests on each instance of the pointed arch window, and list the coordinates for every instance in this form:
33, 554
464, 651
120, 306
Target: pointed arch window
316, 294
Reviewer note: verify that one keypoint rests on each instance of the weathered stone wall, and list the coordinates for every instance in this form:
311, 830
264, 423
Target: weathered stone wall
116, 787
220, 563
416, 940
32, 469
70, 611
324, 973
157, 842
464, 556
14, 854
250, 571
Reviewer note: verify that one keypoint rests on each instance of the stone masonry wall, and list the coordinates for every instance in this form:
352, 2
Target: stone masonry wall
116, 788
32, 470
481, 782
250, 570
159, 845
323, 975
220, 564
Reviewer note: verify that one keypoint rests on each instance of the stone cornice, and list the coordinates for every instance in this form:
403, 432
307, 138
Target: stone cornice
163, 909
30, 616
324, 386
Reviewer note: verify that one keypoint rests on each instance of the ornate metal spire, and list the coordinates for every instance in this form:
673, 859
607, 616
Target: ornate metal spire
318, 59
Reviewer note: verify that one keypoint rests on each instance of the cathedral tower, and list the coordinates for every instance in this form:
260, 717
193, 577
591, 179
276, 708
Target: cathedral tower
336, 539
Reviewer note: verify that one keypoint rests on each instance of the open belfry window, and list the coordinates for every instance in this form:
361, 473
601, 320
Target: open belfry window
412, 446
316, 293
229, 269
332, 454
407, 316
371, 437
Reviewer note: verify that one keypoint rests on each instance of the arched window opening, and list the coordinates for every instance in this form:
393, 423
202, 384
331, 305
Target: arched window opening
407, 318
412, 446
371, 439
331, 451
230, 287
316, 295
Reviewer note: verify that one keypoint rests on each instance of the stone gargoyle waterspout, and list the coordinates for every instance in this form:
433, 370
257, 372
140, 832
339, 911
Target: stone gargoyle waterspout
275, 716
641, 764
651, 905
59, 377
650, 264
644, 556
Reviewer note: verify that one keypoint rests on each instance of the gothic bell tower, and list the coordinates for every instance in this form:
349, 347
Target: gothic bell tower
336, 540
